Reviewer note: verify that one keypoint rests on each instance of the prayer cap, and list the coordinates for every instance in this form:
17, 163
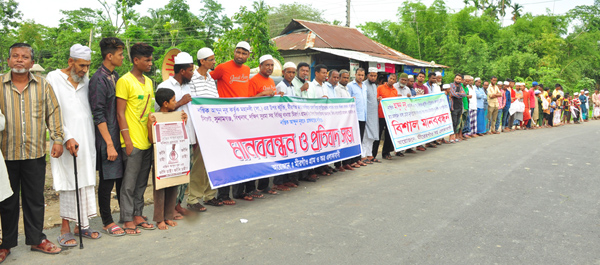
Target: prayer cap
587, 92
403, 75
411, 76
534, 83
79, 51
264, 58
576, 94
537, 92
289, 65
438, 74
183, 58
581, 91
372, 69
446, 86
204, 53
506, 83
244, 45
477, 79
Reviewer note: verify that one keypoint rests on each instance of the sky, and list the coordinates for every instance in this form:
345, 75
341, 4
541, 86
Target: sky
48, 12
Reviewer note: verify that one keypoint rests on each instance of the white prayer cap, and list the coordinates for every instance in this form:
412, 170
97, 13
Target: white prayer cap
264, 58
576, 94
289, 65
477, 78
79, 51
372, 69
411, 76
521, 84
204, 53
587, 92
438, 74
244, 45
183, 58
446, 86
581, 91
506, 83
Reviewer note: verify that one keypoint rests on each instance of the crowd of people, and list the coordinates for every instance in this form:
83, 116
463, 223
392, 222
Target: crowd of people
105, 122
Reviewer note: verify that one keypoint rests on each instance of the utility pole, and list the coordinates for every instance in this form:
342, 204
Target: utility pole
347, 13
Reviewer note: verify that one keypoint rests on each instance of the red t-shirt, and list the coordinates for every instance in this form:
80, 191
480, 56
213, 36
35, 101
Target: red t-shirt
385, 91
232, 79
259, 83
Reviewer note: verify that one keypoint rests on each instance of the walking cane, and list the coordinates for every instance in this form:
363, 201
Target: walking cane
77, 197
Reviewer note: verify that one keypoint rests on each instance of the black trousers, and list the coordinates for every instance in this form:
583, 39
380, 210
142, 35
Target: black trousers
240, 189
263, 183
27, 179
456, 116
105, 187
387, 142
223, 192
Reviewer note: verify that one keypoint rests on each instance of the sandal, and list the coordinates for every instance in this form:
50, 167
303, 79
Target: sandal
148, 227
87, 233
281, 187
228, 201
256, 194
4, 254
46, 247
290, 184
367, 161
387, 157
196, 207
64, 238
177, 216
348, 167
214, 202
355, 165
400, 154
269, 191
137, 231
111, 231
375, 160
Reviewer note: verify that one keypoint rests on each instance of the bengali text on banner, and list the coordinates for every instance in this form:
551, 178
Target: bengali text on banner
243, 139
413, 121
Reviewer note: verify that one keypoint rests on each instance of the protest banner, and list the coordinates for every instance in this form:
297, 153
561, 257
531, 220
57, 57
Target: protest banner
413, 121
171, 150
245, 139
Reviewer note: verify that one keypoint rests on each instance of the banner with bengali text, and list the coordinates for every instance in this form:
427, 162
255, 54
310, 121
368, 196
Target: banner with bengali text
243, 139
414, 121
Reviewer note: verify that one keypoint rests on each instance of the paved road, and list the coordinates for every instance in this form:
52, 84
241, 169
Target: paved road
515, 198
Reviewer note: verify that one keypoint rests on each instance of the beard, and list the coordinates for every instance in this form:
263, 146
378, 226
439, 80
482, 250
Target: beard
185, 80
19, 71
439, 83
75, 77
401, 85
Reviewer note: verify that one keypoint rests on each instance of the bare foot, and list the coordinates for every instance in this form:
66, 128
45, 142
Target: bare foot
171, 222
162, 226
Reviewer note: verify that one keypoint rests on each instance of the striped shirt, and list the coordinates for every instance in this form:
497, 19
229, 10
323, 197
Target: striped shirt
201, 86
27, 113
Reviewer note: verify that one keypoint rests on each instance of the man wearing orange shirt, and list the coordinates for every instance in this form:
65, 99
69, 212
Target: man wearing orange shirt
386, 90
232, 82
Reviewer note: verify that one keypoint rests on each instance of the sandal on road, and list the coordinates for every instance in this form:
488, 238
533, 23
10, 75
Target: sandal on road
136, 232
214, 202
387, 157
147, 227
46, 247
115, 228
64, 238
375, 160
256, 194
87, 233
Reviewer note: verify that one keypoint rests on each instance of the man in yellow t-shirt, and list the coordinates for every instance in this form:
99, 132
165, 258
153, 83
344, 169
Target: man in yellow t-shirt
135, 100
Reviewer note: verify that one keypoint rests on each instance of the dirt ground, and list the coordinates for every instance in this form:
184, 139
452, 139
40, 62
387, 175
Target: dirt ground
52, 214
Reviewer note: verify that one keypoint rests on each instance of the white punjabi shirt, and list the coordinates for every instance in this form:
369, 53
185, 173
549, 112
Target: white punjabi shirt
78, 124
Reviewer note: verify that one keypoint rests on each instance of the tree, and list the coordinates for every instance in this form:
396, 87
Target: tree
9, 19
215, 22
282, 15
517, 9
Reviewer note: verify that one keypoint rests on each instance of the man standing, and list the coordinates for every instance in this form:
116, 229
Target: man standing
201, 85
183, 70
386, 90
232, 81
372, 125
317, 88
583, 99
402, 87
334, 78
285, 86
472, 107
358, 91
71, 89
480, 93
341, 91
456, 99
421, 89
302, 79
135, 101
493, 95
109, 155
23, 145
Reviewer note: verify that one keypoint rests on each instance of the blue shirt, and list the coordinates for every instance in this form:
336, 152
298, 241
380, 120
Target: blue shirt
481, 97
330, 90
360, 97
508, 99
583, 100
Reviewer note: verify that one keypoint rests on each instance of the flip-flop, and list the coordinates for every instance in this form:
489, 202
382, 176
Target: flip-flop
87, 233
62, 239
137, 232
375, 160
141, 225
111, 231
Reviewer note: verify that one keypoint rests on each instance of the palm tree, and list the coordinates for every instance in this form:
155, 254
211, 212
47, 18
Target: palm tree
517, 9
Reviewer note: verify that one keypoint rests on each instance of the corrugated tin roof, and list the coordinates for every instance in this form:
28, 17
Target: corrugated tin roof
356, 55
302, 35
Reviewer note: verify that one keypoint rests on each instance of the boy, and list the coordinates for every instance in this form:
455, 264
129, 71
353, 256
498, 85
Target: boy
164, 199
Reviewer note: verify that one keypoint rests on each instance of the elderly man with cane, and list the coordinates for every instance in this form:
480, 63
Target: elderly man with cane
71, 89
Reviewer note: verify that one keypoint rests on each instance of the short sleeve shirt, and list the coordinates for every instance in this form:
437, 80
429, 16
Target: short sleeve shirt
140, 103
259, 83
232, 79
